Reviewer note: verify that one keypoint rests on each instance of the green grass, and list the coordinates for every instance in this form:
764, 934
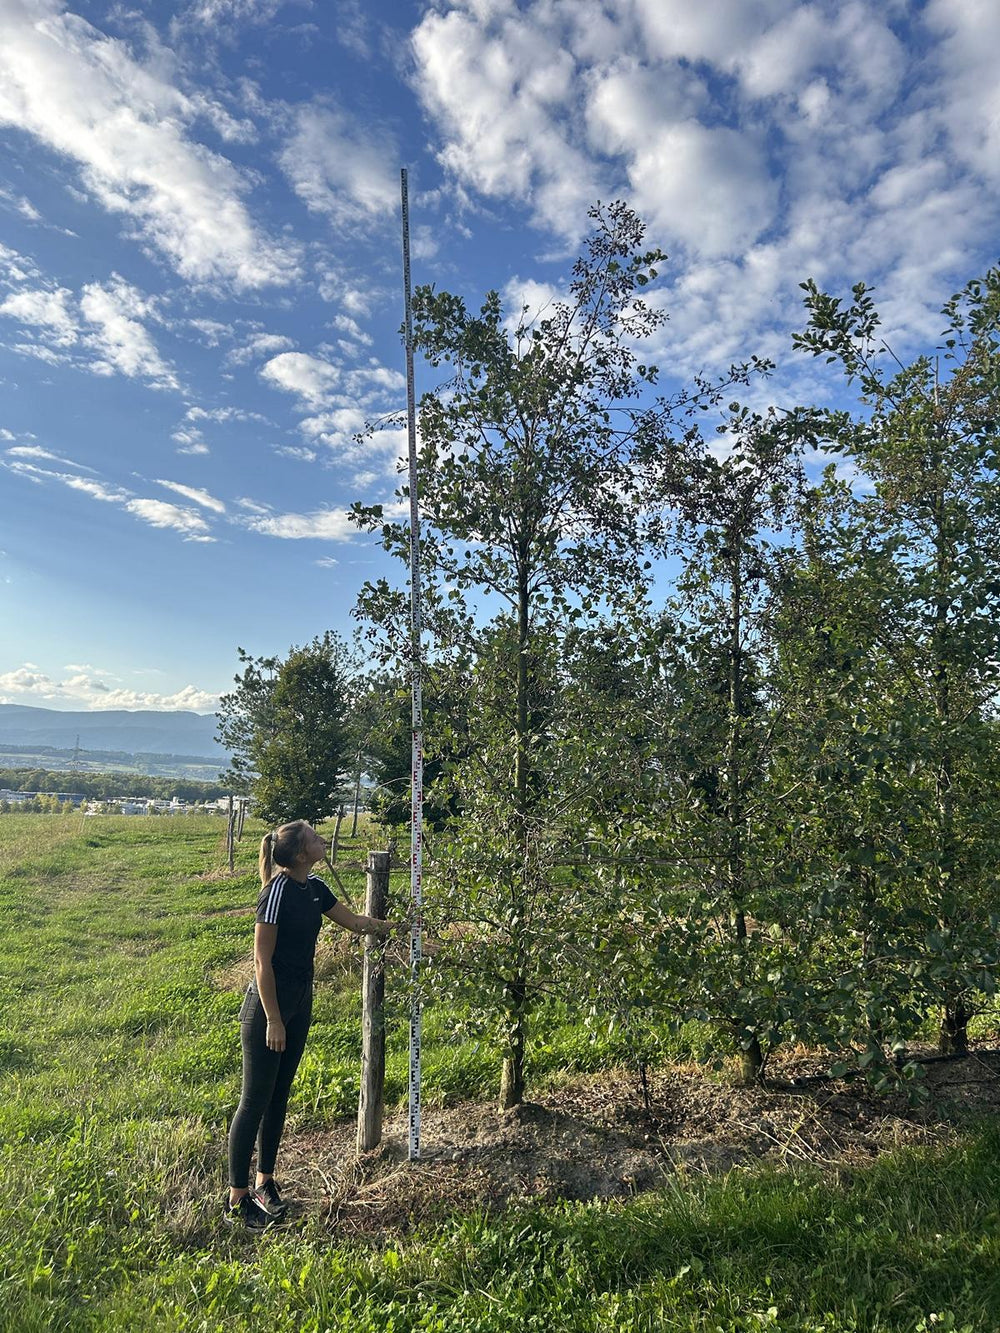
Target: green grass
119, 990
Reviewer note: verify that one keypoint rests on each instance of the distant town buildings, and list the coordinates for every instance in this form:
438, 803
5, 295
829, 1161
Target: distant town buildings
125, 805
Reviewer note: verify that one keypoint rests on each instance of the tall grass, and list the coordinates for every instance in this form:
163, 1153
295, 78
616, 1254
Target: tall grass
121, 964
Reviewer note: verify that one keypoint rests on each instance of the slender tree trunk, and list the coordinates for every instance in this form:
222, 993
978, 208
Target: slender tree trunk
357, 796
954, 1033
752, 1056
512, 1073
512, 1082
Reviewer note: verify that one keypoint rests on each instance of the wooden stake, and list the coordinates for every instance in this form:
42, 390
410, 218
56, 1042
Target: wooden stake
373, 1010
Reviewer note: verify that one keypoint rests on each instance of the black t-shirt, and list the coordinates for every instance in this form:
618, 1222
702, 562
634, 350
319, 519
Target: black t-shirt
297, 910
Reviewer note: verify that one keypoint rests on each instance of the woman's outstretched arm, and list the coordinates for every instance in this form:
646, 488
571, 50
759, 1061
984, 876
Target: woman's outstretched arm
361, 925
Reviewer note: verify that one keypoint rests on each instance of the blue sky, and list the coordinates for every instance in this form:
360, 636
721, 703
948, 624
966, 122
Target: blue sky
200, 288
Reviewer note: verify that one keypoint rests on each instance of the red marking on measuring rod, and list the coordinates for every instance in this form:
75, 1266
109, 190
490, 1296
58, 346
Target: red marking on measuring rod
417, 783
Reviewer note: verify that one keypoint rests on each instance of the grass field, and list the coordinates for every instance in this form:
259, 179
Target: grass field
121, 963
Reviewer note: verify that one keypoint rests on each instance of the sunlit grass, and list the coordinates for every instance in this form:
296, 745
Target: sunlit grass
123, 951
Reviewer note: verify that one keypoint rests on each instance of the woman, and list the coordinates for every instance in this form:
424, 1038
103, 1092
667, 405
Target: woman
276, 1013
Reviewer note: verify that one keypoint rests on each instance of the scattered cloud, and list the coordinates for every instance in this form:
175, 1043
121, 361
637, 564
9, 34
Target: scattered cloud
161, 514
260, 344
339, 166
36, 451
85, 688
222, 14
301, 455
88, 98
310, 377
193, 493
352, 328
123, 344
158, 513
332, 525
45, 309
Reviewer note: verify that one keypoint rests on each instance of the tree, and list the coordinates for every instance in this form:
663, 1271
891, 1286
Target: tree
535, 458
709, 808
285, 725
928, 440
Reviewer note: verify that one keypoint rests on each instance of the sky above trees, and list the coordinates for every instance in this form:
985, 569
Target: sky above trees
199, 262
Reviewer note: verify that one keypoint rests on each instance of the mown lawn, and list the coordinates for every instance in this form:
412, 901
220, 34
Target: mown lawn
119, 967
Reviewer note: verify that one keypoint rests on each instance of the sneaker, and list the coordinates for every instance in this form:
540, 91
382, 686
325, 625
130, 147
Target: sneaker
247, 1212
270, 1200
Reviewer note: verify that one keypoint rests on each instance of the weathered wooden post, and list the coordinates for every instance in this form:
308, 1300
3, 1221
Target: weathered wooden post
241, 818
230, 840
373, 1009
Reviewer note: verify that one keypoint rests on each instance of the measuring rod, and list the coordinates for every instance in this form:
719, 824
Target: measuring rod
417, 753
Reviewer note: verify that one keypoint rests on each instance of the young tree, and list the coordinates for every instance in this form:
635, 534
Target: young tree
712, 804
535, 459
928, 441
285, 726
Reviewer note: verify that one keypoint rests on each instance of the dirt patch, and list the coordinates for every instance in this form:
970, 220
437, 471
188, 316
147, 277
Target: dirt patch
593, 1139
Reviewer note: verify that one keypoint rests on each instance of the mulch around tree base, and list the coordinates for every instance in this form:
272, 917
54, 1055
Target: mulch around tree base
592, 1138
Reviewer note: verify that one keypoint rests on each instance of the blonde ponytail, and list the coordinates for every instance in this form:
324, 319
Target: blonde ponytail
265, 862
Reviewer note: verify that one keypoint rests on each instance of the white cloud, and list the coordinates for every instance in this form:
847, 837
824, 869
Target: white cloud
87, 98
161, 514
352, 328
189, 441
326, 525
377, 453
222, 13
505, 92
221, 414
122, 342
16, 267
300, 455
213, 331
966, 34
85, 688
260, 344
311, 378
200, 497
97, 490
46, 309
36, 451
763, 141
158, 513
340, 167
21, 204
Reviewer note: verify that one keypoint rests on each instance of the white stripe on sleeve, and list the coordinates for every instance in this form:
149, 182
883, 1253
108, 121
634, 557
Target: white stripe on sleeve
274, 900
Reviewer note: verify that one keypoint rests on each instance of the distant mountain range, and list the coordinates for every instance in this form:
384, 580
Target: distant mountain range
146, 732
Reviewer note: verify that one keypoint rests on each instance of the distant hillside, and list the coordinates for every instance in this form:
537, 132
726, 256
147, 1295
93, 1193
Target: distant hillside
191, 735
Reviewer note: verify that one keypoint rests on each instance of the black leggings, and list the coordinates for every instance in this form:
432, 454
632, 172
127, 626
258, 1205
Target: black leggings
267, 1079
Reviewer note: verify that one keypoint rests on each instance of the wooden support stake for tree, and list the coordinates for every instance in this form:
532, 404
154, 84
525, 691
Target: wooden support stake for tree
341, 811
230, 840
241, 818
373, 1010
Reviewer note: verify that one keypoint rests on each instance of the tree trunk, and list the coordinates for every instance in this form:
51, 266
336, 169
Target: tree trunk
752, 1063
954, 1036
512, 1073
515, 992
751, 1057
357, 797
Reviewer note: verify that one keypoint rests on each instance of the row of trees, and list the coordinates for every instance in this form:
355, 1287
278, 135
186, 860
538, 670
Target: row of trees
768, 799
104, 786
